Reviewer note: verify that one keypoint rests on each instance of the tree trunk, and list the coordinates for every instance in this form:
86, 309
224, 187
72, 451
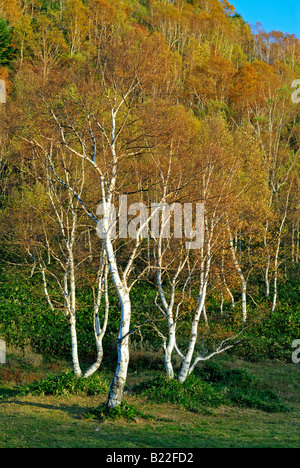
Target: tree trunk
100, 332
75, 359
244, 301
276, 261
186, 364
119, 380
169, 351
98, 361
117, 386
240, 273
267, 270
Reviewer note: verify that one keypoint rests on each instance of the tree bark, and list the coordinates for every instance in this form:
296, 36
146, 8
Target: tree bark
119, 380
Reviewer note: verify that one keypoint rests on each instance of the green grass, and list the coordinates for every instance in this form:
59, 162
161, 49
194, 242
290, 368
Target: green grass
64, 421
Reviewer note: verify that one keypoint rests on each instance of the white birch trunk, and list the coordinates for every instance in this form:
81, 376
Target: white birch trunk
93, 368
71, 308
276, 261
205, 270
242, 278
168, 313
74, 345
98, 331
267, 269
119, 380
244, 300
117, 386
168, 305
186, 364
169, 351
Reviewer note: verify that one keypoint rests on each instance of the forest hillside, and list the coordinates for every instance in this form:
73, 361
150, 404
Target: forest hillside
153, 104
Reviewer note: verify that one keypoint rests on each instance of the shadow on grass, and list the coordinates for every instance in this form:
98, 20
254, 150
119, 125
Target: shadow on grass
8, 393
75, 411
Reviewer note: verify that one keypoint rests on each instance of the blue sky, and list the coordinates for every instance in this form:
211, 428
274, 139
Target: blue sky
282, 15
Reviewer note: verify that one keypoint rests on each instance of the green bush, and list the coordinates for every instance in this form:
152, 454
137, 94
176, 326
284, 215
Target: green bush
194, 395
264, 400
213, 386
67, 383
213, 372
124, 411
270, 334
242, 388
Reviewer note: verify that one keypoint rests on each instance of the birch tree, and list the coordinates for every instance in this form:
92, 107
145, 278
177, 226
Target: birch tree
107, 133
215, 182
279, 241
51, 227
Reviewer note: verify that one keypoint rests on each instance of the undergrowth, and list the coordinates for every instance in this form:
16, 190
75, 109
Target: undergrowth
208, 387
213, 386
124, 411
66, 383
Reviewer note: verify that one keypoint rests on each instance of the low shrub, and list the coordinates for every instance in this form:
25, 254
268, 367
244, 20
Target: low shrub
213, 386
242, 388
214, 372
124, 411
194, 395
66, 383
264, 400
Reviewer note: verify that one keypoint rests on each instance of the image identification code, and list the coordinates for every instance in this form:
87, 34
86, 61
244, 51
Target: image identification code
153, 457
171, 457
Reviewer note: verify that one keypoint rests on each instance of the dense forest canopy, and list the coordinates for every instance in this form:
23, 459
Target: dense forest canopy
165, 102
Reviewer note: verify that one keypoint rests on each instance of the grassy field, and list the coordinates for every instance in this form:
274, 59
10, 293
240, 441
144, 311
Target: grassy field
62, 422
